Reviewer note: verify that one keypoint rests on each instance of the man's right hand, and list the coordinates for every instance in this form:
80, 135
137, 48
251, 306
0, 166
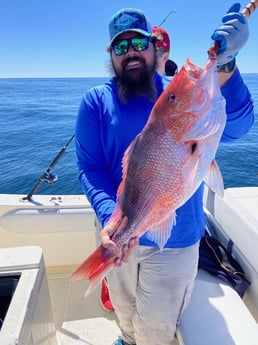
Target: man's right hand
127, 249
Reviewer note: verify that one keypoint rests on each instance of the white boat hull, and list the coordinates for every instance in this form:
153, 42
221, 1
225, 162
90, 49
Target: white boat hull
62, 229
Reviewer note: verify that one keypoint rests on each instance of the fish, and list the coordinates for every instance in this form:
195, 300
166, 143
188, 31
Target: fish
165, 164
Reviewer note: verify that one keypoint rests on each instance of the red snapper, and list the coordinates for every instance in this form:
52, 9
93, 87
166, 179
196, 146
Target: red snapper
165, 164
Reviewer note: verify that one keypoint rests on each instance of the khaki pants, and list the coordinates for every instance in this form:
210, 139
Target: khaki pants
150, 292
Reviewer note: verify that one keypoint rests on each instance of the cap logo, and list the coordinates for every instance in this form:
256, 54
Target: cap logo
129, 19
126, 21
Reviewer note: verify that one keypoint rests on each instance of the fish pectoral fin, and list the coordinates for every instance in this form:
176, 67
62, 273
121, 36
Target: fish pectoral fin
190, 169
204, 128
162, 231
214, 179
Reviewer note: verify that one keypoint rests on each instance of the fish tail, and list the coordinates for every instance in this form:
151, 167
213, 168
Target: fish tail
94, 268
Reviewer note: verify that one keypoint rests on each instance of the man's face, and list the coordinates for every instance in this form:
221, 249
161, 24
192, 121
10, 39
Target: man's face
134, 70
133, 61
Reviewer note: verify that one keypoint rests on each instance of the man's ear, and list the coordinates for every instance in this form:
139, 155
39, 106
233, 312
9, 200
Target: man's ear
165, 57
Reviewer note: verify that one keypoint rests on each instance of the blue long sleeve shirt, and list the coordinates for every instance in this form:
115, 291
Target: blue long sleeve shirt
104, 129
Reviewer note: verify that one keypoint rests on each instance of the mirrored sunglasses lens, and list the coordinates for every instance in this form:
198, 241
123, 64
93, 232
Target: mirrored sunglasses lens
121, 47
140, 43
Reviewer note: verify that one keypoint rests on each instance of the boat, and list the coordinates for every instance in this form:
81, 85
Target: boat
45, 238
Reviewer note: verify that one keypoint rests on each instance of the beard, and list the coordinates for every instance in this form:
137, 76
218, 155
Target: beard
137, 81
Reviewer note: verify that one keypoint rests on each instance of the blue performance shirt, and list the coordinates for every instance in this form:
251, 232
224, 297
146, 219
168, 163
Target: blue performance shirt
104, 129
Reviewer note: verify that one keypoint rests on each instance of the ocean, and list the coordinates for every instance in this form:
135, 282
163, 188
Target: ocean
37, 118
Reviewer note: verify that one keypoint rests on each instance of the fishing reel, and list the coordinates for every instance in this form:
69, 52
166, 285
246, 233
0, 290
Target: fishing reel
49, 178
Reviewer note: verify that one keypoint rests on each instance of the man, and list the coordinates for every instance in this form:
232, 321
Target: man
151, 290
165, 66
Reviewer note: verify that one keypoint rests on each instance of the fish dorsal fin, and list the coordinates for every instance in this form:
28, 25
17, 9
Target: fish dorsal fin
162, 230
214, 179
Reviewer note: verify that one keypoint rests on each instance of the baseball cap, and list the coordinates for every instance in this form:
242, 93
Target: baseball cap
129, 19
164, 43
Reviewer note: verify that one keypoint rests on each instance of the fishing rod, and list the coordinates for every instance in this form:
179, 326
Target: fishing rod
250, 8
173, 11
47, 176
51, 178
247, 11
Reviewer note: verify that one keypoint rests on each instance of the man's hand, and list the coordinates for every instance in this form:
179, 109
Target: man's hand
105, 238
232, 34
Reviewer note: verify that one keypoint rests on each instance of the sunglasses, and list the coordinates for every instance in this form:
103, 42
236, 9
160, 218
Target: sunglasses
121, 47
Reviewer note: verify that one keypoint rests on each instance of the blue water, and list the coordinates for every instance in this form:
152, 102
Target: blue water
37, 118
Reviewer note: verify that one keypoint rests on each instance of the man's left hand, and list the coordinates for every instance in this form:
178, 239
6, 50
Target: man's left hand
232, 34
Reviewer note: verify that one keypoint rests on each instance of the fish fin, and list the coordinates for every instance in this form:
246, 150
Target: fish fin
190, 169
125, 162
162, 231
214, 179
127, 155
202, 129
94, 268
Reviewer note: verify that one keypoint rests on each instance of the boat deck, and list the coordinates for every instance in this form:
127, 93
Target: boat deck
48, 221
79, 320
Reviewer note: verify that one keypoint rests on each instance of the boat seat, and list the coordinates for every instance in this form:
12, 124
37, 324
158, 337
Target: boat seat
236, 214
216, 315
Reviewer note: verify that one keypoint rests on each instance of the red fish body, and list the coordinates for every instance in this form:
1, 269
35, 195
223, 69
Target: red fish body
165, 164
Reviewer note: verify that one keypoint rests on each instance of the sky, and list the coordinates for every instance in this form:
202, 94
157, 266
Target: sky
68, 38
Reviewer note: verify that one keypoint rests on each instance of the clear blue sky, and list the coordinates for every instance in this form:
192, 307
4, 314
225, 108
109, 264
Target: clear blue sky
68, 38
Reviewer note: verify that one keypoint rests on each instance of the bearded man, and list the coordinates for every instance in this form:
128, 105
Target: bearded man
150, 291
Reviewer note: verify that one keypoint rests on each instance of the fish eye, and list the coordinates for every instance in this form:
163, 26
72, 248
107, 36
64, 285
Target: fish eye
171, 97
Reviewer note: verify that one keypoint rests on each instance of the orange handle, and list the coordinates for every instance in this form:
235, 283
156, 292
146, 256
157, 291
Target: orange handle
250, 8
247, 11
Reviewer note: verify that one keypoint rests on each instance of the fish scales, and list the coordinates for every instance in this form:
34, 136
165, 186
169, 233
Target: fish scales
165, 164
